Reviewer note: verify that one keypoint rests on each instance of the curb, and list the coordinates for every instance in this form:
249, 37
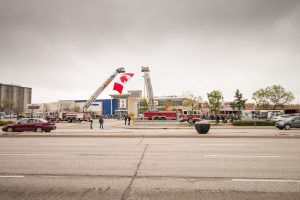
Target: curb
154, 136
192, 127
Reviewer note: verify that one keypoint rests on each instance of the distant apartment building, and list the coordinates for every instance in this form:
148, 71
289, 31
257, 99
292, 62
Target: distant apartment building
14, 98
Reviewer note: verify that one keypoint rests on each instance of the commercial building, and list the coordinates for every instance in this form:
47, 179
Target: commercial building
118, 104
14, 99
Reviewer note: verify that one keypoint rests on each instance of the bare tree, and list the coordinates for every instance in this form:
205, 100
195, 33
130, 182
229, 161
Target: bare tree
168, 105
191, 101
8, 106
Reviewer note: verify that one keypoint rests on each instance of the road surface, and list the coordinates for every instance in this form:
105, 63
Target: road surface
149, 168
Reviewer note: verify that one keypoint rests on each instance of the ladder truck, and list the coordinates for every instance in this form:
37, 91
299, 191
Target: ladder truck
151, 103
153, 113
83, 116
101, 88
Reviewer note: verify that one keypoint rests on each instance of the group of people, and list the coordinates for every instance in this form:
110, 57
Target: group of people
101, 122
222, 117
127, 118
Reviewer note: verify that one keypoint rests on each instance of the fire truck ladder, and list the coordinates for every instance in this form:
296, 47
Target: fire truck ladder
101, 88
151, 103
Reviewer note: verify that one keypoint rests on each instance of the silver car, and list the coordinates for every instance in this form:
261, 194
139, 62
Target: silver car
291, 122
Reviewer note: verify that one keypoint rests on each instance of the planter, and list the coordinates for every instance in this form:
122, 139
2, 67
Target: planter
202, 127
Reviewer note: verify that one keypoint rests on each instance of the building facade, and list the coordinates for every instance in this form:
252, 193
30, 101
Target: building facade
14, 99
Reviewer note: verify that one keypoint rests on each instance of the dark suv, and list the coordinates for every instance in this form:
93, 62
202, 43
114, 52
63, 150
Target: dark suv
30, 124
287, 124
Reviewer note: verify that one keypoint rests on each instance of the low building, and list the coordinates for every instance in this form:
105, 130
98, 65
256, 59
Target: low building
123, 103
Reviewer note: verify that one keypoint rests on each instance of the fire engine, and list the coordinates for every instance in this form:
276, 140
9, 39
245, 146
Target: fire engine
179, 115
85, 115
153, 113
67, 116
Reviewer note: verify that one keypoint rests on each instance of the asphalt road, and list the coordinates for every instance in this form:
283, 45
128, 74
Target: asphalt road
149, 168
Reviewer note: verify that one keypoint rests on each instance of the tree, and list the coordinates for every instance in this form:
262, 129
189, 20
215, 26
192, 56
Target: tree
1, 110
16, 110
75, 109
275, 96
261, 97
143, 105
45, 108
8, 105
168, 105
191, 101
239, 102
215, 99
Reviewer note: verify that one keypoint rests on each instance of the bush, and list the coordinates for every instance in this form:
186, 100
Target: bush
3, 123
253, 123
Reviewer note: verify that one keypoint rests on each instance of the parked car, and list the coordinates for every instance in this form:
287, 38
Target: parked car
280, 118
30, 124
287, 124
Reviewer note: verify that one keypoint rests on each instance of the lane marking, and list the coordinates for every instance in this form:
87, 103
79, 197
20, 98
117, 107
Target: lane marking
268, 180
50, 144
243, 156
30, 154
11, 176
216, 144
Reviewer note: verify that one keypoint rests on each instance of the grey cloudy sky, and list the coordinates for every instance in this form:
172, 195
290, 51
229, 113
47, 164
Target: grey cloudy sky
65, 49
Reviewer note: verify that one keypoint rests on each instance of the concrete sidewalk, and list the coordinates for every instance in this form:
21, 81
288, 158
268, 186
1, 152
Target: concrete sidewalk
157, 133
187, 126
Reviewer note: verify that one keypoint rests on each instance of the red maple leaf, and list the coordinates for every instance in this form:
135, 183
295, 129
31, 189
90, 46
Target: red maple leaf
123, 79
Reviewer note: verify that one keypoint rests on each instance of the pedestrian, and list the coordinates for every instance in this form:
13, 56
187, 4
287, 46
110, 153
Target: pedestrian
101, 122
91, 123
125, 118
218, 119
129, 118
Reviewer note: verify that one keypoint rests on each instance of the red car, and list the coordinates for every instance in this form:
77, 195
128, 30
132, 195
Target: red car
30, 124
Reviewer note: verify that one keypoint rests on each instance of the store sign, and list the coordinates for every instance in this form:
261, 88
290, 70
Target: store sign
123, 103
35, 107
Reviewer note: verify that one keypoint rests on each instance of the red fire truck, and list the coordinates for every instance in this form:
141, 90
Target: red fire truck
179, 114
154, 114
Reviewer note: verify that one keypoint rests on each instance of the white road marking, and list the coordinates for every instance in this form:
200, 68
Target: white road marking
68, 144
243, 156
216, 144
30, 154
268, 180
11, 176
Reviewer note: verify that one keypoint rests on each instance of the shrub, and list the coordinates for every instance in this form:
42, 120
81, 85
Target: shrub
3, 123
253, 123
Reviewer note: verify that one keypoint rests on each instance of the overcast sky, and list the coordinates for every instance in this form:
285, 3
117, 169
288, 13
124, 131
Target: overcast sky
65, 49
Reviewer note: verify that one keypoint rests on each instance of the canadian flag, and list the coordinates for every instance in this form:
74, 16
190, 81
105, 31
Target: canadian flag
120, 82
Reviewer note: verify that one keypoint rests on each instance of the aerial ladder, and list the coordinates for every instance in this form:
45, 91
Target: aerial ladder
101, 88
151, 103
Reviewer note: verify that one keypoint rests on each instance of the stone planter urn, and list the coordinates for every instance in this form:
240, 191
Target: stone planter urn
202, 127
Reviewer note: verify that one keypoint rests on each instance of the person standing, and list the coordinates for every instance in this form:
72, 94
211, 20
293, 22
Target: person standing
125, 118
91, 123
101, 122
129, 118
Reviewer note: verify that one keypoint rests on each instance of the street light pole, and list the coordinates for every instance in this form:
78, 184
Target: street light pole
255, 115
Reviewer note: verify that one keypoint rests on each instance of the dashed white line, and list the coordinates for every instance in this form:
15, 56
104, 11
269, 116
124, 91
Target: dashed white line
216, 144
267, 180
30, 154
242, 156
50, 144
11, 176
